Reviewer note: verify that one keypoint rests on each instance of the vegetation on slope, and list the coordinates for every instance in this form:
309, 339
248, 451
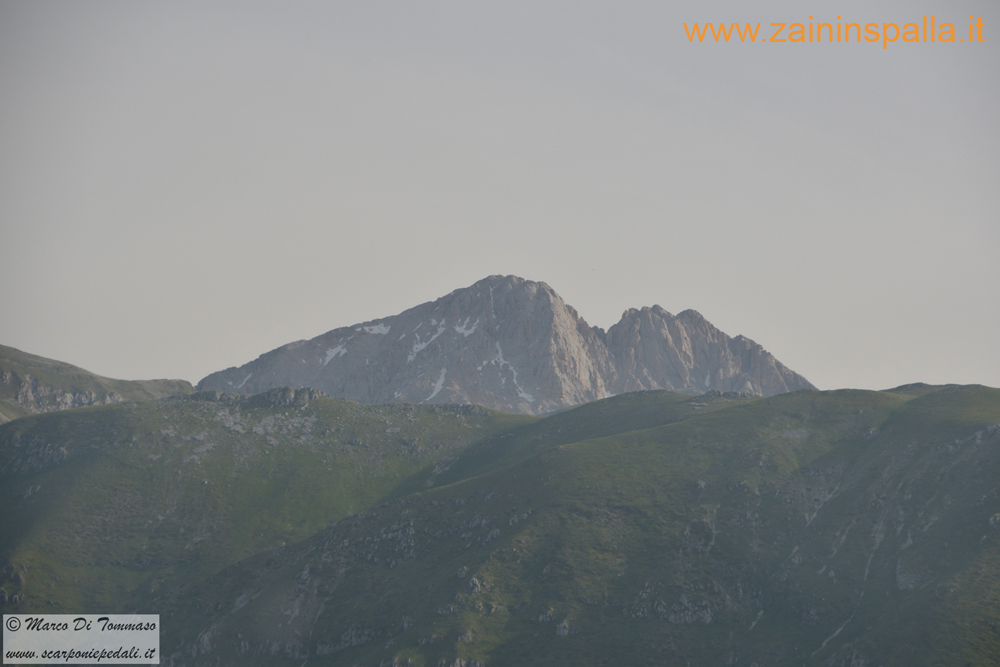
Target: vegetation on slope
815, 528
107, 501
837, 528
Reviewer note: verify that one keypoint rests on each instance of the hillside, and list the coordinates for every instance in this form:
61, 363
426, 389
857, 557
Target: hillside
111, 499
30, 384
840, 528
514, 345
816, 528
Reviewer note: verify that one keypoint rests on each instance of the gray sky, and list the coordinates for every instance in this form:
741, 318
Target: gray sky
184, 186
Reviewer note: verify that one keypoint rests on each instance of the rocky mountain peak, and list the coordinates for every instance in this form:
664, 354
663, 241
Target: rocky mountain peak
514, 345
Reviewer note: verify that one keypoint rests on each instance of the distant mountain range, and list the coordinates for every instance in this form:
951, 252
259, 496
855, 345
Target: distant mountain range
30, 384
845, 528
514, 345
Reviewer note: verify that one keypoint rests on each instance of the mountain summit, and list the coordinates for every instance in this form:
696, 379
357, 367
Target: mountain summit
514, 345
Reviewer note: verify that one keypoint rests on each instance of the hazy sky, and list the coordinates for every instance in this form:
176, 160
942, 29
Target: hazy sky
186, 185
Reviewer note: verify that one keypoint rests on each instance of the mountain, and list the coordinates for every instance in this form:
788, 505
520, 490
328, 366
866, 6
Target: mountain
839, 528
30, 384
512, 344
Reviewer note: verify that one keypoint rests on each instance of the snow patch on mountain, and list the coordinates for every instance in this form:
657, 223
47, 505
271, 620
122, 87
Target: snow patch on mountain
463, 327
338, 351
438, 386
503, 362
420, 345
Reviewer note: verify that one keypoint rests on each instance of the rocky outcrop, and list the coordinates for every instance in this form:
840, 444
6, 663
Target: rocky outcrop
653, 349
33, 396
513, 345
30, 384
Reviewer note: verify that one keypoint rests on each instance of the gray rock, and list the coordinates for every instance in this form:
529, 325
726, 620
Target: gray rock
512, 344
653, 349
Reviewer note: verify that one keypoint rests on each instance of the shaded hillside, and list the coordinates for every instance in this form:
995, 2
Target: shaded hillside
30, 384
815, 528
838, 528
107, 500
110, 501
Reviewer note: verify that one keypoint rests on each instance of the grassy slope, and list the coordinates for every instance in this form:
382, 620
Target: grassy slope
57, 377
10, 411
109, 500
810, 528
121, 498
620, 414
651, 528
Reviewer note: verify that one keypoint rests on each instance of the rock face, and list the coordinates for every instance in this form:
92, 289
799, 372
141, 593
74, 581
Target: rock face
512, 344
30, 384
653, 349
34, 396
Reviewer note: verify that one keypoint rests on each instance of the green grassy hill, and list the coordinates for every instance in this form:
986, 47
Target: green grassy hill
814, 528
106, 502
835, 528
30, 384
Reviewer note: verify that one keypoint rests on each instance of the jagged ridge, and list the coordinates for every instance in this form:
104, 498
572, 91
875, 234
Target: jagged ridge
512, 344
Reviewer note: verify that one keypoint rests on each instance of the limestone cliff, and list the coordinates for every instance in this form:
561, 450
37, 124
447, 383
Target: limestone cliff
514, 345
